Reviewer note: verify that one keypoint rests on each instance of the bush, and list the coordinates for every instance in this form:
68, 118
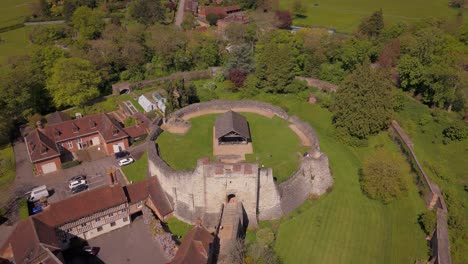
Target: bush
382, 178
265, 236
296, 86
70, 164
456, 131
212, 19
428, 221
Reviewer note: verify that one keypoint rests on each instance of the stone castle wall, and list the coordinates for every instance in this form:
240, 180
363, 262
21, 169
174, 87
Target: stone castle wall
200, 193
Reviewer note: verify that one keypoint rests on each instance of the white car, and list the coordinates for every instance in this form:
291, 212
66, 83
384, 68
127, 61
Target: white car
125, 161
73, 184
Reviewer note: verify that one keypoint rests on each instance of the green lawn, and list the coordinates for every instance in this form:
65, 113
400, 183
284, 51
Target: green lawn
274, 144
137, 171
7, 165
178, 227
345, 226
13, 11
445, 164
14, 42
345, 15
23, 209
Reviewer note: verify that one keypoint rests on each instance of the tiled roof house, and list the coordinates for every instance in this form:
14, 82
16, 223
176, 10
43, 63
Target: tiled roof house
46, 144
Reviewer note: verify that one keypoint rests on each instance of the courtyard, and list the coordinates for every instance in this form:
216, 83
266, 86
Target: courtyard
274, 144
130, 244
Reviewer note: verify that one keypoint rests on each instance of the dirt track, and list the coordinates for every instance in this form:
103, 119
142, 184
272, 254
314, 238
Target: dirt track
212, 111
304, 140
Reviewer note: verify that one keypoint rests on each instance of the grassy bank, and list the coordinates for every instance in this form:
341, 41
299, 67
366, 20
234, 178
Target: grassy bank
345, 16
137, 171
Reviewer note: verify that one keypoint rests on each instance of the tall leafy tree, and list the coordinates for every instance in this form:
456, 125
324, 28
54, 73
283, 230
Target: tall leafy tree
364, 103
373, 25
87, 23
73, 82
147, 11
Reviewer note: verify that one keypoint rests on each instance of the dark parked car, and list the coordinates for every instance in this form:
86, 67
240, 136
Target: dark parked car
121, 154
79, 188
91, 250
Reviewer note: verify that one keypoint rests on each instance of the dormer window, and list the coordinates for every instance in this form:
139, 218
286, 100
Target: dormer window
57, 132
44, 150
115, 132
75, 129
92, 124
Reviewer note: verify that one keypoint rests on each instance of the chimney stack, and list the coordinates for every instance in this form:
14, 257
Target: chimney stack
39, 125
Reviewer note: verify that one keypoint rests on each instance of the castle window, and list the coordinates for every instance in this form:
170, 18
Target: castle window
99, 229
125, 219
113, 224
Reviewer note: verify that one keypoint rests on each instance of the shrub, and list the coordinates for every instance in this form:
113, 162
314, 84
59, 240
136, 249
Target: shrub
265, 236
428, 221
296, 86
212, 19
70, 164
382, 178
456, 131
237, 77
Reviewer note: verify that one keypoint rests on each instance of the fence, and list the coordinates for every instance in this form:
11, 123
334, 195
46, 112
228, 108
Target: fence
432, 197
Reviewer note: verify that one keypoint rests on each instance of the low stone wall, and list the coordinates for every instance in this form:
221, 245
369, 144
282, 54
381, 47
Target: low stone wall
322, 85
192, 192
432, 197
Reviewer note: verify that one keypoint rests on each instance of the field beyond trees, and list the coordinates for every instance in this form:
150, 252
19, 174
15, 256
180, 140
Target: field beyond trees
345, 16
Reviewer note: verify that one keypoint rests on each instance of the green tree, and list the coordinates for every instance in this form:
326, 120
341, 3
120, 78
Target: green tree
353, 52
373, 25
333, 73
147, 12
212, 19
382, 177
73, 82
364, 103
428, 221
87, 23
299, 8
241, 57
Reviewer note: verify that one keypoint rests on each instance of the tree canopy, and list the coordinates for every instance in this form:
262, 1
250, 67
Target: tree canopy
364, 102
73, 82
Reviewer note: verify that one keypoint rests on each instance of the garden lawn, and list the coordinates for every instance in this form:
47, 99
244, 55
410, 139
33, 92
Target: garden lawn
345, 15
345, 226
13, 12
446, 164
274, 144
178, 228
13, 42
7, 165
137, 171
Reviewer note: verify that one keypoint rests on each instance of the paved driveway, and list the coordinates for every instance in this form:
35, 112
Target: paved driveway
129, 244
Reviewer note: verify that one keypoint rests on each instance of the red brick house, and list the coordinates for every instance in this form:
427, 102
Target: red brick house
196, 248
221, 11
47, 144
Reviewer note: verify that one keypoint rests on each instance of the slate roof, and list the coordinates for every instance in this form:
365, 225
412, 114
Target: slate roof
149, 188
40, 147
31, 239
57, 117
42, 142
195, 247
81, 205
231, 122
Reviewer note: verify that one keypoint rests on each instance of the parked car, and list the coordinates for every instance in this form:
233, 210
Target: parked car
78, 178
37, 208
38, 193
79, 188
121, 154
74, 184
91, 250
125, 161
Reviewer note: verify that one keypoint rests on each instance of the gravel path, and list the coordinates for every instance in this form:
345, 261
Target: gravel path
180, 13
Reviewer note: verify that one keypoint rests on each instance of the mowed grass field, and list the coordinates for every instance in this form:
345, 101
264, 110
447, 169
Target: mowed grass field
15, 42
345, 226
345, 15
13, 11
274, 144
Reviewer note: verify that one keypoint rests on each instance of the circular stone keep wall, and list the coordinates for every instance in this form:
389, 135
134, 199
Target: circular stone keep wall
312, 176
